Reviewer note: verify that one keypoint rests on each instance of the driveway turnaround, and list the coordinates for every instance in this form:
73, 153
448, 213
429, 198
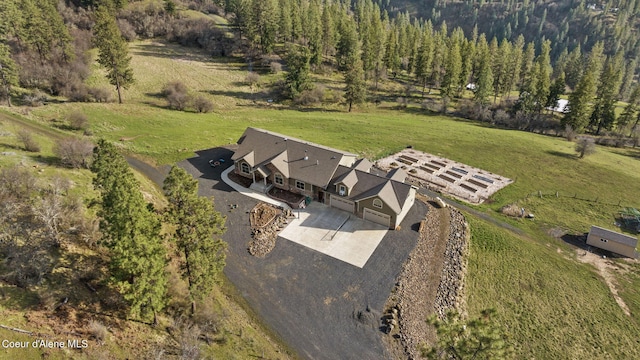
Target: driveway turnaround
322, 307
336, 233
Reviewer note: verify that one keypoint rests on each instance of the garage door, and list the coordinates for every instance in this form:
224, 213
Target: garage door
376, 217
342, 204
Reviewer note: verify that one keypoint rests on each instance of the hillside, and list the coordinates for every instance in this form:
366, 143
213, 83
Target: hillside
536, 162
548, 289
63, 294
566, 23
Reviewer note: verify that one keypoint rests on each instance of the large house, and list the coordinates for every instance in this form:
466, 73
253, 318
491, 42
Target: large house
327, 175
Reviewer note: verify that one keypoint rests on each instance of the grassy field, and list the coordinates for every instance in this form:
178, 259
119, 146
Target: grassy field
553, 305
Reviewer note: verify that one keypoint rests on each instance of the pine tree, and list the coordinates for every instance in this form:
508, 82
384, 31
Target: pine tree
425, 57
542, 77
500, 66
580, 108
328, 31
315, 32
376, 33
603, 115
526, 66
264, 24
574, 67
514, 65
297, 79
8, 72
43, 29
131, 232
113, 51
484, 77
391, 54
452, 68
630, 113
197, 228
557, 89
355, 88
285, 26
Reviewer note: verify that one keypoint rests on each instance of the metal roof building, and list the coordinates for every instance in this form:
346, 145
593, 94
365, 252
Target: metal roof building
613, 241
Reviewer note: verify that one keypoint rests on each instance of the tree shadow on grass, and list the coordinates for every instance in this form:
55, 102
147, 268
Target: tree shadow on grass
563, 154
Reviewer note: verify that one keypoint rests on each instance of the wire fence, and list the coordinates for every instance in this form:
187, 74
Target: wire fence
558, 194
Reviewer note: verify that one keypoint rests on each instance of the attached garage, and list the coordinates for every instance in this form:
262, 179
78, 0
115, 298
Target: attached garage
376, 217
342, 204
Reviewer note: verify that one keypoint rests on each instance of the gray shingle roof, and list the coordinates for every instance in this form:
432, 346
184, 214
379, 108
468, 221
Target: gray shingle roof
392, 192
298, 159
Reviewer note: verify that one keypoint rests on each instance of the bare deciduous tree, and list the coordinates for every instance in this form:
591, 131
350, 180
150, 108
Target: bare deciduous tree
75, 153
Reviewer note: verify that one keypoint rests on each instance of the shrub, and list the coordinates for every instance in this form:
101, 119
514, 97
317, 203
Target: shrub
402, 102
35, 98
275, 67
27, 140
502, 118
78, 121
177, 95
100, 94
97, 330
75, 153
585, 146
252, 79
310, 97
78, 94
202, 104
569, 133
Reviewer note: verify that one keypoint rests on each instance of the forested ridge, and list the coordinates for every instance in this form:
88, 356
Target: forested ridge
566, 23
512, 76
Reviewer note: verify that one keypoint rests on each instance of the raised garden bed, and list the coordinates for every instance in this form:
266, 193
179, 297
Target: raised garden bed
407, 162
478, 183
467, 187
292, 199
430, 171
458, 176
446, 178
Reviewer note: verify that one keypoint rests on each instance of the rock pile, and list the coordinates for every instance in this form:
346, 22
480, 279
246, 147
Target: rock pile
431, 280
417, 285
449, 294
264, 237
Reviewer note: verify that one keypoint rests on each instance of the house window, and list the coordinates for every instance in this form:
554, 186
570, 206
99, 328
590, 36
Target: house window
377, 203
244, 167
277, 178
343, 190
300, 184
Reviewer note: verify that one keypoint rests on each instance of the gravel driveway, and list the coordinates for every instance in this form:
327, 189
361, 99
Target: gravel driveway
322, 307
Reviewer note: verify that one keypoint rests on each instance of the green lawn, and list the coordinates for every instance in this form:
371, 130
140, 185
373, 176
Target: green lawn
554, 306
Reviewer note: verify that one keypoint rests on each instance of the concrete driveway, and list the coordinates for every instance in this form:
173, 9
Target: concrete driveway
336, 233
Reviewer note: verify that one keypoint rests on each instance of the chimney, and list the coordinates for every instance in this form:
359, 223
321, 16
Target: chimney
305, 155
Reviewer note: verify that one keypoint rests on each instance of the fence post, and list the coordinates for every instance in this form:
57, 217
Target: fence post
540, 193
556, 194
